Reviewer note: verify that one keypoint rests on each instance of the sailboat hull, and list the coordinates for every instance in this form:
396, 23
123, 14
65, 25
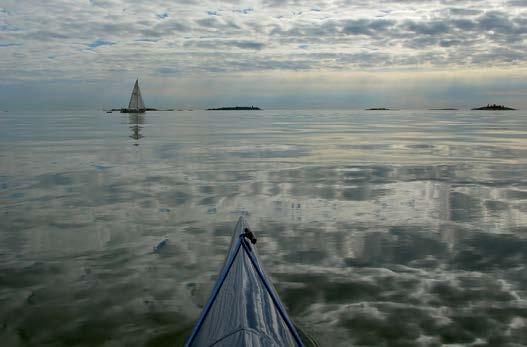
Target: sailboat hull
127, 110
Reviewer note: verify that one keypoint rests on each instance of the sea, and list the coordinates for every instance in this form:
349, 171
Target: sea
377, 228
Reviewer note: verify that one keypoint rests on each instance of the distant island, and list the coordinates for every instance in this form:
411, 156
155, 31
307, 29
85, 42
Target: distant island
378, 109
494, 107
444, 109
235, 108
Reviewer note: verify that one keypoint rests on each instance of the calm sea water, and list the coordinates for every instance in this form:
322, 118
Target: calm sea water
394, 228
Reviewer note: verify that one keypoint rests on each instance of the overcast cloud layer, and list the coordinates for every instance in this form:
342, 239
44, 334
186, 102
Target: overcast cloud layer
202, 46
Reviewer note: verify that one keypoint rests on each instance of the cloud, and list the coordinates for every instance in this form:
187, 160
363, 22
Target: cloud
244, 10
8, 44
427, 28
99, 43
517, 3
435, 29
221, 44
215, 23
464, 11
167, 70
366, 27
203, 37
278, 3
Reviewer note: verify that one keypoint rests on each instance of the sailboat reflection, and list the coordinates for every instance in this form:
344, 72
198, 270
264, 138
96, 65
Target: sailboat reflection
136, 120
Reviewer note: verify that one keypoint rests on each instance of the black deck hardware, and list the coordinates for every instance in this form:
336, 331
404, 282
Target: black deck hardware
249, 234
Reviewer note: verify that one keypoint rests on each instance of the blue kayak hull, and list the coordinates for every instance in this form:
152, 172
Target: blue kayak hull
243, 308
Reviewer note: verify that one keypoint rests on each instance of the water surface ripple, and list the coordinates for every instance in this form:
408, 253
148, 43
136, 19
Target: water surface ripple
392, 228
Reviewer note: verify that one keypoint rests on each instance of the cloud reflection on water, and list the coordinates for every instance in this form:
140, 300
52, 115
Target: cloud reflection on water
414, 236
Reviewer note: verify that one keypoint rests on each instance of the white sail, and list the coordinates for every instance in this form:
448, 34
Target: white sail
136, 100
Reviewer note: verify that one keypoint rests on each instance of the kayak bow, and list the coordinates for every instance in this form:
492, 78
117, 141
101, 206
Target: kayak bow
243, 308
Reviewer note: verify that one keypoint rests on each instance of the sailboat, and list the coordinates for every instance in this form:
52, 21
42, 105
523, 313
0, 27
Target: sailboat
136, 104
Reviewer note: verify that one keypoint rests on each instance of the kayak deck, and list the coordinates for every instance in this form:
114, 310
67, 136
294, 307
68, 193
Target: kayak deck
243, 308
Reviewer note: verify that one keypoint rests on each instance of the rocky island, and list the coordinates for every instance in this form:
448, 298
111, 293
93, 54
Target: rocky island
494, 107
235, 108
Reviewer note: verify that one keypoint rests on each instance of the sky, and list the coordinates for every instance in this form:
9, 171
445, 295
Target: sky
86, 54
